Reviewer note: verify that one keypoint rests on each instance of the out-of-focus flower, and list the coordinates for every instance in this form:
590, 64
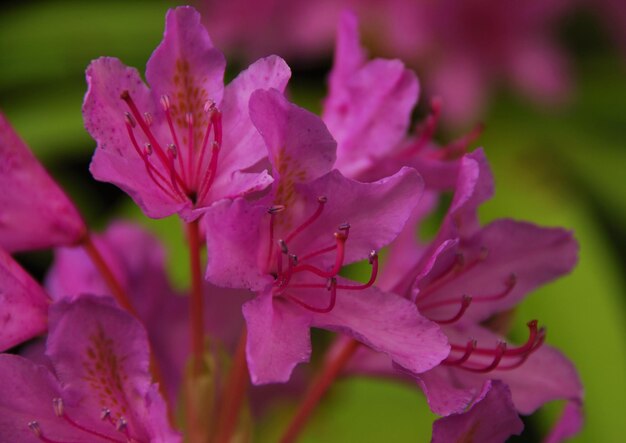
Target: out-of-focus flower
100, 389
462, 49
490, 419
23, 304
290, 246
34, 212
185, 143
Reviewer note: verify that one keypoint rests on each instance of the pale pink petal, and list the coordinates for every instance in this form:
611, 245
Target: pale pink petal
278, 338
386, 323
491, 419
34, 211
349, 55
570, 423
116, 159
300, 147
233, 244
243, 145
23, 304
186, 66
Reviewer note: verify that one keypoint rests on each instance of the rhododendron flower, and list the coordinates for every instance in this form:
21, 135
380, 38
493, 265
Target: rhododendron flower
100, 389
490, 419
138, 261
186, 142
34, 212
290, 246
23, 304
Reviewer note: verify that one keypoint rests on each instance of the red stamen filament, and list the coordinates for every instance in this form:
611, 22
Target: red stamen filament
373, 260
321, 203
332, 287
165, 103
428, 129
210, 109
341, 246
465, 302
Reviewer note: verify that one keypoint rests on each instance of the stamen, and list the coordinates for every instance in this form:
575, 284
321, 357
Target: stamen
469, 349
148, 117
212, 171
427, 131
57, 405
272, 211
465, 302
129, 119
321, 202
341, 238
332, 287
373, 260
190, 144
500, 350
510, 284
34, 426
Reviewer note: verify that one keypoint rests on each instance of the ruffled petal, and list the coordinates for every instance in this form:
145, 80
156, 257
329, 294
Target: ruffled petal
491, 419
278, 338
35, 213
386, 323
23, 304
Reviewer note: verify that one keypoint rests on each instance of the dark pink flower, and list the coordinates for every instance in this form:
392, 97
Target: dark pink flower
186, 142
290, 246
23, 304
34, 212
100, 390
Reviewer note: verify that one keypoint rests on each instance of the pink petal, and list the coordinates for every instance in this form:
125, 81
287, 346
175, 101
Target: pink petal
243, 145
115, 159
368, 109
570, 423
278, 338
23, 304
491, 419
186, 66
35, 213
386, 323
300, 147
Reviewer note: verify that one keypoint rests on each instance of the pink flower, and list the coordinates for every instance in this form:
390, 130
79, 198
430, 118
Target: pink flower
185, 143
34, 212
290, 246
23, 304
100, 390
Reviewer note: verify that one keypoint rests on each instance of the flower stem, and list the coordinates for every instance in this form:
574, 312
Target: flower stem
195, 302
233, 394
318, 388
105, 271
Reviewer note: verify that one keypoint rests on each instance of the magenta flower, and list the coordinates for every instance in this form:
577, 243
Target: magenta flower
187, 142
490, 419
23, 304
100, 389
34, 212
138, 261
290, 247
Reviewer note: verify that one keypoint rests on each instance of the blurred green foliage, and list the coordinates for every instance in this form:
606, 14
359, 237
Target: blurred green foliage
560, 167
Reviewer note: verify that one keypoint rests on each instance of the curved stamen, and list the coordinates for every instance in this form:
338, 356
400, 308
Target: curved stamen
209, 108
510, 284
272, 212
373, 260
339, 258
319, 252
321, 202
166, 105
427, 131
522, 359
499, 353
332, 287
211, 172
190, 143
469, 349
465, 303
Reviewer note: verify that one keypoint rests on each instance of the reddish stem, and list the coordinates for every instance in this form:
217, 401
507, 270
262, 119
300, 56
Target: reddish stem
234, 394
317, 389
195, 301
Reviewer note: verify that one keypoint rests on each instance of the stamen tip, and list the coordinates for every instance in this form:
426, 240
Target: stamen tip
125, 95
57, 405
322, 199
34, 426
283, 246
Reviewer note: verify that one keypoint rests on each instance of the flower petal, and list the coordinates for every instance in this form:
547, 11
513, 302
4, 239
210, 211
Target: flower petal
387, 323
369, 105
115, 159
570, 423
35, 213
23, 304
278, 338
186, 66
491, 419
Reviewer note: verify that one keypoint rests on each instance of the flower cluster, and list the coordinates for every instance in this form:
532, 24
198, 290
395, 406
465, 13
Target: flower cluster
283, 200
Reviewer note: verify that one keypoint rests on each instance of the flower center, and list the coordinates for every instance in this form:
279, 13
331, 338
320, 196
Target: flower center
182, 171
120, 425
298, 272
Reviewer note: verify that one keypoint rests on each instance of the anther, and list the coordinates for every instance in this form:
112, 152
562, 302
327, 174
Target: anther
148, 149
283, 246
57, 405
34, 426
148, 118
105, 414
130, 120
125, 95
276, 209
322, 199
189, 118
165, 102
373, 255
173, 150
294, 259
209, 106
344, 227
121, 424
